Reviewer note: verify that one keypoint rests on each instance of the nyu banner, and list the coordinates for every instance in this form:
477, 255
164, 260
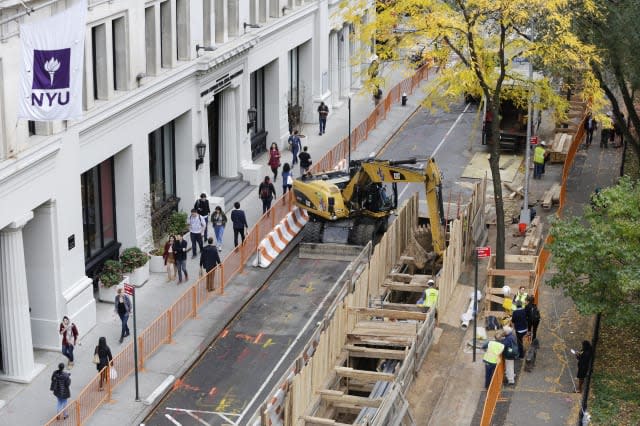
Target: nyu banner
52, 64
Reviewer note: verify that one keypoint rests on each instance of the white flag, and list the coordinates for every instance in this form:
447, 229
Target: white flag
52, 65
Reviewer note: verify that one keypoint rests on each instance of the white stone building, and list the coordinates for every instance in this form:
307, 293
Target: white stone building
74, 193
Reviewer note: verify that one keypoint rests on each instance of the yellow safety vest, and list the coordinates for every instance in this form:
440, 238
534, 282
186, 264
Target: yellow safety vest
430, 297
538, 155
522, 298
494, 350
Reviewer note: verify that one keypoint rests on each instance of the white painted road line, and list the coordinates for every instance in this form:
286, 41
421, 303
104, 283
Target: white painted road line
446, 135
172, 420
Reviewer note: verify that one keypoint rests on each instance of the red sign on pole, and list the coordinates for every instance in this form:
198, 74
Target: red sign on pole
129, 289
534, 140
483, 251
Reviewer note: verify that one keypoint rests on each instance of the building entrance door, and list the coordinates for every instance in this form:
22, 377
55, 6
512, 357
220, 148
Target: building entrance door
213, 122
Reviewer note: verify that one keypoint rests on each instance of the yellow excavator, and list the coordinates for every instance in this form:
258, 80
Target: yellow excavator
354, 205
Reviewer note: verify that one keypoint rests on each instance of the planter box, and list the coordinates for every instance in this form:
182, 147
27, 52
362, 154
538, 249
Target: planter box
108, 294
140, 275
156, 264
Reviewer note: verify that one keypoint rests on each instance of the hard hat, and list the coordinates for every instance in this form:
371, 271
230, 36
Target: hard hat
543, 143
506, 290
430, 282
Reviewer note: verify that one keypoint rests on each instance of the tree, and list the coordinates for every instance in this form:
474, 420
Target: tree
486, 38
618, 72
597, 257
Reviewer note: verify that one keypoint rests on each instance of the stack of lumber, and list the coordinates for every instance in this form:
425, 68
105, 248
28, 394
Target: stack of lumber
532, 237
559, 147
514, 191
551, 196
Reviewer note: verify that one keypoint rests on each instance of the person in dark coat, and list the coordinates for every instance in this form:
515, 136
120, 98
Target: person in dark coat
180, 254
590, 125
584, 363
104, 358
204, 209
305, 160
60, 386
209, 259
266, 192
519, 319
533, 317
239, 221
123, 308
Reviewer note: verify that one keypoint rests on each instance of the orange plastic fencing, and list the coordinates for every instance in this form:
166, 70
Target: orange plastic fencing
162, 329
493, 394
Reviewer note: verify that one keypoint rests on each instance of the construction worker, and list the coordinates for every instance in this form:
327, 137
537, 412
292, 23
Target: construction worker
539, 154
430, 296
520, 296
492, 357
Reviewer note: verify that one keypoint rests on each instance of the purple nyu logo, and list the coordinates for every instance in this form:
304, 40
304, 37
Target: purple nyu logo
51, 73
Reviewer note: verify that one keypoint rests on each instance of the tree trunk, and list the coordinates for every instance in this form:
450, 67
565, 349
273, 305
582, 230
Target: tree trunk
494, 165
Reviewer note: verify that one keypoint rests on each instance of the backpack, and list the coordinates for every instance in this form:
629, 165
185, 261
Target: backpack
511, 351
264, 191
535, 314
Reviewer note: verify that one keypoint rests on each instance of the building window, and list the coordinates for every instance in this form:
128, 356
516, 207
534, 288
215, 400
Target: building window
167, 54
98, 208
150, 40
119, 54
182, 29
99, 61
162, 164
257, 97
294, 76
32, 127
207, 22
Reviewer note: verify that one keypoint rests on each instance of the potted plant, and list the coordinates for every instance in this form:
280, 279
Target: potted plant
135, 262
178, 226
110, 278
156, 261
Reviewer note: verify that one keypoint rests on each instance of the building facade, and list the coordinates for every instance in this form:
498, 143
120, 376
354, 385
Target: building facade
160, 77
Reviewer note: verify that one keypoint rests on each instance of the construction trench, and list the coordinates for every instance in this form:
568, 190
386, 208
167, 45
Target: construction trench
333, 337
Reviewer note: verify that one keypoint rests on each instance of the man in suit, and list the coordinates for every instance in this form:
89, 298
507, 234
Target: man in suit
209, 259
180, 254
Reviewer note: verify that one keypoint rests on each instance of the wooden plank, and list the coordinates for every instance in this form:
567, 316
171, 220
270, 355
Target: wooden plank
389, 313
364, 352
369, 376
406, 278
375, 341
313, 420
518, 258
510, 272
402, 307
402, 286
337, 397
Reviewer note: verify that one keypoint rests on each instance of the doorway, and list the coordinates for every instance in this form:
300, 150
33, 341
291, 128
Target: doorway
213, 120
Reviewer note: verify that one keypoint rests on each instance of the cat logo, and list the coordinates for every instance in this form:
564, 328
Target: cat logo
396, 175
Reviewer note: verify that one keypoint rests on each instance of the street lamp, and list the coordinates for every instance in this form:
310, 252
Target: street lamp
201, 148
205, 48
246, 25
252, 114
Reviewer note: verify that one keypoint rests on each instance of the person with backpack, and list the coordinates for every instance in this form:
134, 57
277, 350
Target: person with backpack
266, 192
533, 317
60, 386
69, 333
510, 354
519, 319
197, 227
203, 209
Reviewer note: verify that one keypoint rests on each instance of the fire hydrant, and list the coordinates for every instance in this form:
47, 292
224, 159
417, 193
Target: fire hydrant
404, 99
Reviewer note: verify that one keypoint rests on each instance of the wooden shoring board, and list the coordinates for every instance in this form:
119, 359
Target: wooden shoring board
368, 376
402, 286
405, 278
375, 353
385, 328
511, 272
402, 307
380, 341
547, 198
389, 313
313, 420
337, 397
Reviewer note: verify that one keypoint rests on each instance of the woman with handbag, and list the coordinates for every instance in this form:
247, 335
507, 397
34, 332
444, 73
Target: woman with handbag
287, 178
169, 258
101, 358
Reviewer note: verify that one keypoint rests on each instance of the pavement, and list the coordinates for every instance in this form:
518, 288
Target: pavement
33, 403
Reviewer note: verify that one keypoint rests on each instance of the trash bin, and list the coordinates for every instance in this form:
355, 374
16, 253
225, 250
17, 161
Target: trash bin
404, 99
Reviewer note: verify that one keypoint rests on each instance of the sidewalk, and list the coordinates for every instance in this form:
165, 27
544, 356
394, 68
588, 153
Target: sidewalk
33, 403
547, 394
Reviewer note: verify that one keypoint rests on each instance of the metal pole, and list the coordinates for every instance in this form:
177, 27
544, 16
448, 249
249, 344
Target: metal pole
525, 215
349, 155
475, 308
135, 344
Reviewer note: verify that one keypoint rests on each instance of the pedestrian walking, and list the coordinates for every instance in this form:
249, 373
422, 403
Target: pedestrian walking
266, 192
519, 320
533, 317
219, 221
287, 178
123, 309
323, 113
590, 125
204, 210
274, 160
239, 221
584, 362
491, 358
295, 146
102, 357
209, 259
539, 154
169, 258
69, 333
305, 160
180, 254
60, 386
617, 127
196, 230
510, 354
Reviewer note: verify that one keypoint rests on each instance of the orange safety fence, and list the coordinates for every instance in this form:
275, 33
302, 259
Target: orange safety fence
162, 329
493, 394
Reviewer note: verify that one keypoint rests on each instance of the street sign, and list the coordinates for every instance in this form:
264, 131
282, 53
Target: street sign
129, 289
483, 251
534, 140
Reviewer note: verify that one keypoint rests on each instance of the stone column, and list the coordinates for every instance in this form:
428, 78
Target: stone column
15, 321
356, 77
229, 148
333, 68
345, 68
